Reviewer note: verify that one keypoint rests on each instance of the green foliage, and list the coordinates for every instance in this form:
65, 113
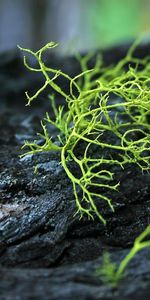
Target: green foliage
112, 274
105, 125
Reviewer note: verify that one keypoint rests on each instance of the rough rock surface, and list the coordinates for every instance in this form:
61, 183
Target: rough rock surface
46, 252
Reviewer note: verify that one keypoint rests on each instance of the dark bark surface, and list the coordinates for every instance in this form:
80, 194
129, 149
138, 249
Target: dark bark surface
46, 252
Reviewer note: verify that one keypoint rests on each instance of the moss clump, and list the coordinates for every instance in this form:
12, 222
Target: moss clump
108, 113
112, 274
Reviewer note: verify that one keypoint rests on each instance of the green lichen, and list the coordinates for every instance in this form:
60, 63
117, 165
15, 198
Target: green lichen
103, 123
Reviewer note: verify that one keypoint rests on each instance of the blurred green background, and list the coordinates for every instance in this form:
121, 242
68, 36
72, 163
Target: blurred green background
77, 24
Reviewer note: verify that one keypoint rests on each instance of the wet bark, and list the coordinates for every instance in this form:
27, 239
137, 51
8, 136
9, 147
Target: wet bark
46, 252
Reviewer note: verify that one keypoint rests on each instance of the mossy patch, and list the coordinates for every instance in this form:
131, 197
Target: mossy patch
102, 102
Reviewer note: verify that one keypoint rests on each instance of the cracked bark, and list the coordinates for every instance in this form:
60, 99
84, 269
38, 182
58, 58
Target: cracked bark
45, 252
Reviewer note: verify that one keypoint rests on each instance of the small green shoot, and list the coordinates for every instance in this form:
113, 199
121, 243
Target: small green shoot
112, 274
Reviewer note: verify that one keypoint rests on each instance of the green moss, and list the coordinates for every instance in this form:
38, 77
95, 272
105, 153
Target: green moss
108, 116
112, 274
